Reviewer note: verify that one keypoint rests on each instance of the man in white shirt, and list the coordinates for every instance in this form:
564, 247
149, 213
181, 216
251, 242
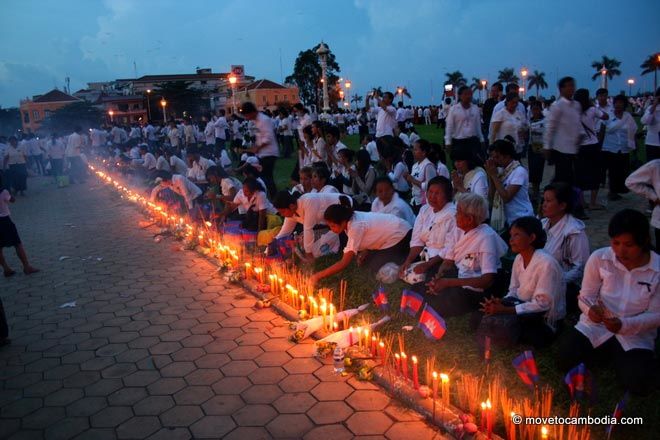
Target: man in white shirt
78, 171
427, 116
463, 125
386, 115
286, 133
198, 165
220, 127
180, 185
645, 181
562, 132
265, 145
401, 116
651, 119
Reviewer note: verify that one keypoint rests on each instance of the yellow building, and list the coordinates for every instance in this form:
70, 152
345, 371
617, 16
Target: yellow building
265, 94
35, 110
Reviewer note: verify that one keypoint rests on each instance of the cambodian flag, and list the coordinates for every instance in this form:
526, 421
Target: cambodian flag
525, 366
411, 302
432, 324
380, 299
579, 382
487, 343
618, 412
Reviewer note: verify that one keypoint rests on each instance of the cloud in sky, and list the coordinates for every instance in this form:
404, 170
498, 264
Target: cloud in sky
385, 42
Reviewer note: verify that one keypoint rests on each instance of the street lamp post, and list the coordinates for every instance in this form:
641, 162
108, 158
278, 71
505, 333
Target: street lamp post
163, 104
232, 81
323, 52
111, 113
348, 85
603, 73
483, 87
149, 104
523, 73
630, 84
399, 90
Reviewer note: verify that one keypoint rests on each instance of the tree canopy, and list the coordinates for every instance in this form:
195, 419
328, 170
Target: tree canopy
180, 98
307, 76
508, 76
67, 118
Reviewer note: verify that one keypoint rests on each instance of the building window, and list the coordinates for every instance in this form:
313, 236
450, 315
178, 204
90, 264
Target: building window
35, 114
136, 106
264, 99
122, 107
26, 117
47, 113
277, 98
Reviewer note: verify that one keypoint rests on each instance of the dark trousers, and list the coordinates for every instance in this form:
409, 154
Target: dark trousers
508, 330
287, 146
536, 163
267, 169
588, 167
617, 166
17, 177
652, 152
77, 170
455, 301
57, 167
634, 368
4, 328
396, 254
471, 144
564, 167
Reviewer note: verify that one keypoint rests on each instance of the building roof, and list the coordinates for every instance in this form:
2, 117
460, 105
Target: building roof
263, 84
55, 96
176, 77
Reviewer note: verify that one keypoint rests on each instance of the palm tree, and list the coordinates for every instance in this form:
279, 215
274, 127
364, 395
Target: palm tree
537, 79
357, 99
611, 66
456, 79
651, 64
477, 85
507, 76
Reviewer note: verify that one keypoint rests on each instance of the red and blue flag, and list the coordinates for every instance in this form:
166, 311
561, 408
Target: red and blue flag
579, 381
380, 299
432, 324
411, 302
525, 366
618, 413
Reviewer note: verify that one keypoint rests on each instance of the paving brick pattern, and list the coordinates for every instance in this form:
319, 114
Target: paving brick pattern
158, 346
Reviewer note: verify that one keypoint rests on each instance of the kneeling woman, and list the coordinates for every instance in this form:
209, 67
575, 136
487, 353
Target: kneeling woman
535, 304
377, 239
180, 185
620, 304
476, 255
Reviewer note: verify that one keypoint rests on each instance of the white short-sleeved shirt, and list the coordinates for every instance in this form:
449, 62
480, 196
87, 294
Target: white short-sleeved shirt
423, 172
397, 177
511, 125
260, 202
386, 121
568, 243
5, 197
519, 205
229, 183
589, 121
397, 207
435, 231
372, 231
442, 170
149, 161
162, 164
328, 189
178, 165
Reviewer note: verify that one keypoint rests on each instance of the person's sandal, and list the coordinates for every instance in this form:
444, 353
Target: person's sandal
9, 273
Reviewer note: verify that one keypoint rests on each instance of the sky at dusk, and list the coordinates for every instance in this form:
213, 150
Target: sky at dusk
377, 43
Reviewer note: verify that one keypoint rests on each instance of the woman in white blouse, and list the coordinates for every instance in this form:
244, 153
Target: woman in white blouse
387, 201
468, 176
567, 238
620, 303
509, 122
320, 177
619, 141
376, 239
423, 170
15, 164
435, 228
476, 255
535, 303
396, 168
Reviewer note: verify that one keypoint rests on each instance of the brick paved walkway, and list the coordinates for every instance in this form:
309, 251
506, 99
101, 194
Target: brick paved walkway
157, 345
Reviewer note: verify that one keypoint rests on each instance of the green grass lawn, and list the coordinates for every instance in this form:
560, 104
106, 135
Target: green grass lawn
458, 352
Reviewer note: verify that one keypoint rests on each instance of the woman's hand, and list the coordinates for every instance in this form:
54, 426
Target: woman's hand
361, 258
612, 324
492, 306
491, 168
437, 285
421, 268
402, 270
596, 314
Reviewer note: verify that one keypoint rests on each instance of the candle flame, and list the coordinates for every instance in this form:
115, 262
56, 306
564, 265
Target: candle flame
414, 359
444, 378
435, 375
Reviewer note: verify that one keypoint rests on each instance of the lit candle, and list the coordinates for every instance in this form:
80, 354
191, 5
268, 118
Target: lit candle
359, 336
398, 363
435, 385
445, 388
381, 350
544, 432
483, 416
335, 326
374, 345
350, 336
489, 419
366, 339
404, 365
415, 373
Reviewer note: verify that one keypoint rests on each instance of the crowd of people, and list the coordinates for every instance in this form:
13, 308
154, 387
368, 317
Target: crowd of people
449, 229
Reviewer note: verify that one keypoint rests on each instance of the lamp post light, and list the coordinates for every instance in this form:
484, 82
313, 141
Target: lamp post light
111, 113
483, 87
323, 52
149, 104
523, 73
163, 104
399, 91
631, 81
232, 81
348, 85
603, 73
521, 91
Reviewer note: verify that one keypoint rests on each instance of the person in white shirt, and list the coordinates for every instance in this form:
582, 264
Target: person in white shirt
401, 116
148, 160
396, 169
320, 178
387, 201
620, 303
386, 123
9, 238
220, 127
588, 159
179, 184
369, 144
535, 155
55, 149
209, 132
376, 239
118, 135
15, 161
307, 210
177, 165
303, 118
427, 116
651, 119
463, 124
508, 122
162, 164
619, 141
319, 149
305, 185
567, 239
77, 168
510, 188
189, 137
467, 176
532, 310
434, 230
362, 176
198, 165
476, 255
174, 135
265, 146
423, 171
149, 133
645, 181
562, 132
285, 131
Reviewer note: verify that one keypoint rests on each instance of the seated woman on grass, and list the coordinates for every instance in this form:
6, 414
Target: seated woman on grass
320, 178
434, 230
387, 201
620, 303
376, 239
532, 310
476, 255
